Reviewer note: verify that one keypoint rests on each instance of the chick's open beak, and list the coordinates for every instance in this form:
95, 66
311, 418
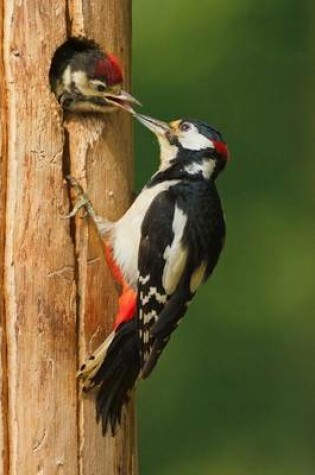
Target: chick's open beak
124, 100
156, 126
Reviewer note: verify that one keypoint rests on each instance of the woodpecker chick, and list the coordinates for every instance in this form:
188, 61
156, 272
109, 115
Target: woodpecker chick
85, 79
160, 251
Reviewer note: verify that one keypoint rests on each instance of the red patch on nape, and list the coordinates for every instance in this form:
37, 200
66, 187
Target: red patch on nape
110, 69
222, 149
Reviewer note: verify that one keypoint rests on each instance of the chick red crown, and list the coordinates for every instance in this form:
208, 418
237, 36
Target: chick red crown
110, 69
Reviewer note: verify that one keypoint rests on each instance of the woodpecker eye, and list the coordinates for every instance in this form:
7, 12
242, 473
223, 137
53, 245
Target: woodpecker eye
185, 126
101, 88
98, 85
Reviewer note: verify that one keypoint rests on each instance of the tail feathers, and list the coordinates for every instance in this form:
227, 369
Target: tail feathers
113, 395
114, 370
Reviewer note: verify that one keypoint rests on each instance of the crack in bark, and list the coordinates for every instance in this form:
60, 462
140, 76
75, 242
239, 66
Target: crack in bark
66, 169
37, 444
68, 19
60, 272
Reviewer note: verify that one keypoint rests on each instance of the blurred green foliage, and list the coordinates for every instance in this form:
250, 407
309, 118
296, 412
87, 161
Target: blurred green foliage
234, 393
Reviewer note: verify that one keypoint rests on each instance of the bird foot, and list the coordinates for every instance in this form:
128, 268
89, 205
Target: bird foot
83, 201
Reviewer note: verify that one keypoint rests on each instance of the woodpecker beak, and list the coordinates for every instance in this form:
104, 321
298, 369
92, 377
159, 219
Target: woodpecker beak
123, 100
156, 126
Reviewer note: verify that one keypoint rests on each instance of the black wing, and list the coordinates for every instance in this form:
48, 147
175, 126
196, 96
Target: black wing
162, 265
181, 240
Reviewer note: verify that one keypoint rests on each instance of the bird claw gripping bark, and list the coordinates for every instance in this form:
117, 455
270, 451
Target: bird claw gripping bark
83, 200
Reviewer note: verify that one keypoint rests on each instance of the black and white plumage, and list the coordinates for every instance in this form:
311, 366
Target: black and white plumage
165, 246
175, 257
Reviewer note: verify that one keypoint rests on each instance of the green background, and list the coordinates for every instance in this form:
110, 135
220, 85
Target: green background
234, 393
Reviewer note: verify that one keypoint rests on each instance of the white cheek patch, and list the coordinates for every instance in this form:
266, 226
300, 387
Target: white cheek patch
80, 80
206, 167
66, 77
193, 140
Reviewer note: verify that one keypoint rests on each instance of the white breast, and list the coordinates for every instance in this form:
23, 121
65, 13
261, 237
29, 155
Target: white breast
126, 233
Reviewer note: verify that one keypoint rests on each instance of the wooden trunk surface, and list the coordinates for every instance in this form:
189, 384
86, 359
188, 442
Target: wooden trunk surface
57, 300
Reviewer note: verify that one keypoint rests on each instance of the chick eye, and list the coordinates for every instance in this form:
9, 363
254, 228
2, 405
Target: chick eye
101, 88
185, 126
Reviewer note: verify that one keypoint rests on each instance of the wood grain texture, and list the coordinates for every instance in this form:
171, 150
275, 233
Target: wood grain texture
4, 454
56, 298
102, 149
39, 255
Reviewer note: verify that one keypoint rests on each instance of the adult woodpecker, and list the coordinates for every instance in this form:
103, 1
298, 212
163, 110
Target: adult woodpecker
159, 251
85, 79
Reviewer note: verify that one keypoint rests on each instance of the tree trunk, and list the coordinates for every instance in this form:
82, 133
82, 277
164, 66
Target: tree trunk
57, 300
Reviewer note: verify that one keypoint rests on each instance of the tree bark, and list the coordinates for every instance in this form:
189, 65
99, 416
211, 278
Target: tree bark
57, 300
3, 354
